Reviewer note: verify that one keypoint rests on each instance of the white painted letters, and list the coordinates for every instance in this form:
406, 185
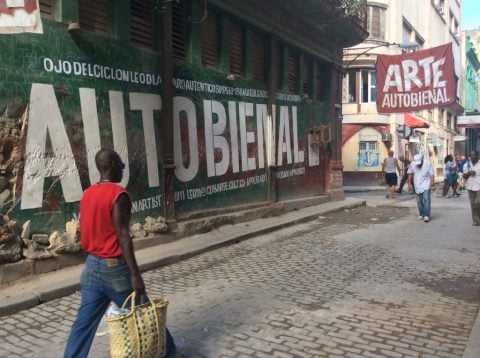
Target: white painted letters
186, 106
119, 131
147, 103
91, 130
45, 119
214, 139
223, 152
246, 110
284, 145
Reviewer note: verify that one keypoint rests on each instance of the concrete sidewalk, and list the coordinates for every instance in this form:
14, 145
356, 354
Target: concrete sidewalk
31, 291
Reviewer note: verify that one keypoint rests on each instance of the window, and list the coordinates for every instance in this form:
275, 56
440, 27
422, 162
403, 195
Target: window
407, 33
350, 87
368, 155
258, 58
307, 76
453, 24
376, 22
419, 41
410, 35
141, 23
236, 41
179, 30
47, 8
293, 60
440, 116
368, 86
210, 41
94, 16
440, 6
430, 115
323, 81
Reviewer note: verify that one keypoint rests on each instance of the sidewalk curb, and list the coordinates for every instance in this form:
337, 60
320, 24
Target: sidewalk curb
46, 287
472, 349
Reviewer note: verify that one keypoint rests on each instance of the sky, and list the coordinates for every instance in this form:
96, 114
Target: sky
470, 14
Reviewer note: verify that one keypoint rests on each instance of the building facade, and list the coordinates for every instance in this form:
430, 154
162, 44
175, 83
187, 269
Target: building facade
213, 106
470, 122
368, 135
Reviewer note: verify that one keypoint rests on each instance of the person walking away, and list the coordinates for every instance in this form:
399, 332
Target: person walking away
460, 163
420, 176
390, 168
111, 271
404, 170
471, 174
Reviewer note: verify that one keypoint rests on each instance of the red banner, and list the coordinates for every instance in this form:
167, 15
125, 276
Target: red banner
18, 16
416, 80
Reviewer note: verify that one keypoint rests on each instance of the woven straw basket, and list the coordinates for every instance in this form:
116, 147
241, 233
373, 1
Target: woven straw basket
141, 332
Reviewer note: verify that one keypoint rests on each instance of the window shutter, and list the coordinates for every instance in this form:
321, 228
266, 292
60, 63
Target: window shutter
292, 70
258, 58
179, 32
280, 66
236, 41
323, 82
210, 41
46, 8
307, 76
376, 22
94, 16
141, 23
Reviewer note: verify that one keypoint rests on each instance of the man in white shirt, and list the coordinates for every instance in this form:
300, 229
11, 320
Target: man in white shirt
420, 175
470, 170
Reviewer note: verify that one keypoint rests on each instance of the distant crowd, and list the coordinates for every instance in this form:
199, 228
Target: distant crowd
459, 174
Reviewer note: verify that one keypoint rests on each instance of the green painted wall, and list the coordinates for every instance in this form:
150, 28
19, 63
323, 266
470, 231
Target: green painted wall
66, 65
53, 86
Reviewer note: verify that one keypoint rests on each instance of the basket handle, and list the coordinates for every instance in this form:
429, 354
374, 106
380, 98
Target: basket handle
131, 297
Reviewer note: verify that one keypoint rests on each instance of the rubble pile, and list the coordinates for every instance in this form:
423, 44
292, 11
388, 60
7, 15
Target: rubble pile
16, 244
151, 227
10, 242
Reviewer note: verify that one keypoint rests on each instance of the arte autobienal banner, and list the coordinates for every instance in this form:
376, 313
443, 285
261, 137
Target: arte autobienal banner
416, 80
18, 16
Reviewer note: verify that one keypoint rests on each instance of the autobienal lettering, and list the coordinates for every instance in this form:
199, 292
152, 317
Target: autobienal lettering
415, 99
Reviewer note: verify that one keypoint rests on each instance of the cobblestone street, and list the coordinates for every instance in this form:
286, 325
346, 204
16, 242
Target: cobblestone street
389, 287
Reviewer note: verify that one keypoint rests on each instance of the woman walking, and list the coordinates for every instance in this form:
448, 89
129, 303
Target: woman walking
390, 167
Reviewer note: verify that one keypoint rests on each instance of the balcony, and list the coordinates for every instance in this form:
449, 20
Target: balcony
321, 25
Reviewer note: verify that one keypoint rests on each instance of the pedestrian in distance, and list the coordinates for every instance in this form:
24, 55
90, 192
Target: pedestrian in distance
450, 176
111, 271
389, 168
404, 170
460, 162
471, 174
422, 179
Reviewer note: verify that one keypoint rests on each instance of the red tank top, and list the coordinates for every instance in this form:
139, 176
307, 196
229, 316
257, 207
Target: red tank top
97, 233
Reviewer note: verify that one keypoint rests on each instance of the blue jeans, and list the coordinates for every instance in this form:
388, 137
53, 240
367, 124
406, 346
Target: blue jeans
424, 203
101, 281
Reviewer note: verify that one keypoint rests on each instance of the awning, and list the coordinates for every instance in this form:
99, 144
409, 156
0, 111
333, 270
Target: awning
460, 138
468, 121
456, 108
414, 122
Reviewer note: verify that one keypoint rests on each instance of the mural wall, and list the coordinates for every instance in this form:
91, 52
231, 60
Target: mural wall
63, 97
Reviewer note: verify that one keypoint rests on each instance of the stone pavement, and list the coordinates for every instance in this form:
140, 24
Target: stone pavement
42, 288
318, 288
